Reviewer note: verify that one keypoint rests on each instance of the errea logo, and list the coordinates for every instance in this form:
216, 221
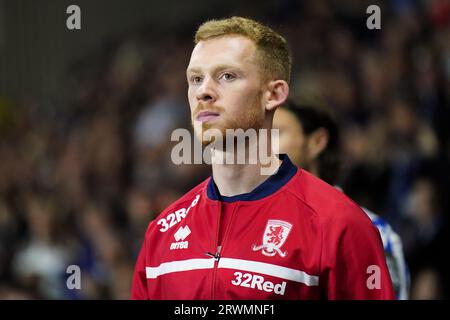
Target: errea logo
179, 236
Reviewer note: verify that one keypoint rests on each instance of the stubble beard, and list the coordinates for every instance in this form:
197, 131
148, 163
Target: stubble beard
254, 119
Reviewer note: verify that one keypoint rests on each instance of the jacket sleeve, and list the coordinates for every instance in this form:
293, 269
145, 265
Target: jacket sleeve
353, 260
139, 284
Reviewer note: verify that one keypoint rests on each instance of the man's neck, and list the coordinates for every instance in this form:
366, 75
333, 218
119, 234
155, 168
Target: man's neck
234, 179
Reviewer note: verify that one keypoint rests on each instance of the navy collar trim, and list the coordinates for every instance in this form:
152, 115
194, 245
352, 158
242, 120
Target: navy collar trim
285, 172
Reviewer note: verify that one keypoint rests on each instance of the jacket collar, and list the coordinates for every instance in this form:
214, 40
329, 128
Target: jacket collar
284, 173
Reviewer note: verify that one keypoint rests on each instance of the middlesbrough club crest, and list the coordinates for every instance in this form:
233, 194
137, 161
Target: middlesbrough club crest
274, 237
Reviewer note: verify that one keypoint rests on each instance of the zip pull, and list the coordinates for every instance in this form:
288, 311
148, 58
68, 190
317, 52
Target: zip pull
215, 256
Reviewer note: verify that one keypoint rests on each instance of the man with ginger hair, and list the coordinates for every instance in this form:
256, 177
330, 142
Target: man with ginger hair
242, 234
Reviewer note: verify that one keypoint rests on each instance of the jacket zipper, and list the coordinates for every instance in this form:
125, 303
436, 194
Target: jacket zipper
217, 256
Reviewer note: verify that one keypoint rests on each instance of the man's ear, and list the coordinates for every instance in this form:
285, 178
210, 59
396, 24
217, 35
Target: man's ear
276, 94
318, 142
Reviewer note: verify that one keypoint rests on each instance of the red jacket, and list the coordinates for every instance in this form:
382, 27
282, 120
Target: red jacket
293, 237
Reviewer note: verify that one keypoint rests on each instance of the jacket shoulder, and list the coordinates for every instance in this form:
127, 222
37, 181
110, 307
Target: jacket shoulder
330, 204
179, 208
185, 200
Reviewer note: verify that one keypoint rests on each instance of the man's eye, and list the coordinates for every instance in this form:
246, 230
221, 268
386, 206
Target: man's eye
228, 76
196, 79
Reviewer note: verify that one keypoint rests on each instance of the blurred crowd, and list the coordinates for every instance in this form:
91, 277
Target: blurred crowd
84, 171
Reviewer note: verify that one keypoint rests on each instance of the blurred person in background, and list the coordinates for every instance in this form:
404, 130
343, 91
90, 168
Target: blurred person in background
311, 137
42, 259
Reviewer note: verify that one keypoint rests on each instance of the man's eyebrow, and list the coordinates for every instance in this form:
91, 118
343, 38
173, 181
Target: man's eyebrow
215, 69
193, 70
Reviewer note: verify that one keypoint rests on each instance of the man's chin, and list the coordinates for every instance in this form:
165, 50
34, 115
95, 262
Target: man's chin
206, 143
208, 132
211, 136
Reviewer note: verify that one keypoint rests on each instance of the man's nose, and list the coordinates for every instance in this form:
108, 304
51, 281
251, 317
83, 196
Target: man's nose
207, 92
